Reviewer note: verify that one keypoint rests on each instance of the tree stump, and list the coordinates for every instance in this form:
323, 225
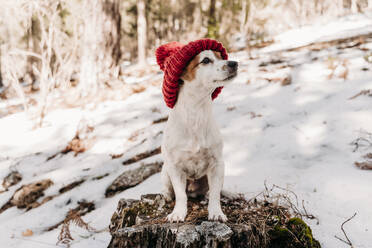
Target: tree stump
142, 223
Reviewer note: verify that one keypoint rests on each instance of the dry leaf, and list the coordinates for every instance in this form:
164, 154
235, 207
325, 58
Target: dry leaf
27, 233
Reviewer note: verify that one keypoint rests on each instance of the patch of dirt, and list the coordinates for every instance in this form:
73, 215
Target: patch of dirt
274, 61
70, 186
142, 156
138, 88
284, 81
160, 120
115, 156
100, 177
231, 108
338, 68
135, 134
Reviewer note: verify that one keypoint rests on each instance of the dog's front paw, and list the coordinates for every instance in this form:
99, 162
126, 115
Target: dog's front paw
216, 215
177, 215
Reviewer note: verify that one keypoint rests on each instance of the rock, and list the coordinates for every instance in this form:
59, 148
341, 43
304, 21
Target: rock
253, 224
11, 179
131, 178
28, 194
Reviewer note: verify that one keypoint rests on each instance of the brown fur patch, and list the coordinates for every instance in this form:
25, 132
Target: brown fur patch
217, 54
189, 72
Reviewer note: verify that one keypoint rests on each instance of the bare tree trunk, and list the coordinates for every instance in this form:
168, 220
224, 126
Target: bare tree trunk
1, 77
101, 45
88, 82
212, 21
111, 30
33, 45
141, 31
354, 7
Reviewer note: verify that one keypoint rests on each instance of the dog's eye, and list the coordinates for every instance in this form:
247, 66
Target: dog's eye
206, 61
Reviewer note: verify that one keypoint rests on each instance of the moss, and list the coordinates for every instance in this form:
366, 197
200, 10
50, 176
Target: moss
143, 210
295, 233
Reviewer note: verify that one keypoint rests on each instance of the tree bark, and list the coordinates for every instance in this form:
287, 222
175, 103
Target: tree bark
141, 31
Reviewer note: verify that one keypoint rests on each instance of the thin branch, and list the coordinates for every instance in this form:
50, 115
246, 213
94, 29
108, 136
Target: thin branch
24, 53
347, 241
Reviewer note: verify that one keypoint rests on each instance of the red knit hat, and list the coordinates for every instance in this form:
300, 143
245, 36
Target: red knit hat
173, 59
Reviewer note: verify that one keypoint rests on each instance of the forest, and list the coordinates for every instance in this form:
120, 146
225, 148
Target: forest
82, 120
76, 49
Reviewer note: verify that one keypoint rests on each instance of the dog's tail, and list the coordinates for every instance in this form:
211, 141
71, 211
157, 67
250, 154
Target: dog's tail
164, 51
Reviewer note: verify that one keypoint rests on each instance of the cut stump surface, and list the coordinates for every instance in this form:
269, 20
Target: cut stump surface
142, 223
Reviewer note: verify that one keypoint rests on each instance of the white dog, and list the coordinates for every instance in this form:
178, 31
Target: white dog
192, 144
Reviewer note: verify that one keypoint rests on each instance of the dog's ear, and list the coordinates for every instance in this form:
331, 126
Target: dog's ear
190, 70
217, 54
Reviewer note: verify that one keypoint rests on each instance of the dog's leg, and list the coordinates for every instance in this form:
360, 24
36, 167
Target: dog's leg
179, 186
168, 191
215, 181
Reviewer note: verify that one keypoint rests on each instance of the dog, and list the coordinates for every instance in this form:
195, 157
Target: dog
192, 144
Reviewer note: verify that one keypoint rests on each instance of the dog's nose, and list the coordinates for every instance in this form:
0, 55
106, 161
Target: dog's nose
232, 64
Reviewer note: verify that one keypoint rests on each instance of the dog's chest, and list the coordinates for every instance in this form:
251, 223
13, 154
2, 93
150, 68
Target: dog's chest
195, 164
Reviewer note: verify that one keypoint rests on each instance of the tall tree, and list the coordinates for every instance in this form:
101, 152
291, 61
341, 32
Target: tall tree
212, 21
112, 30
141, 31
101, 44
33, 37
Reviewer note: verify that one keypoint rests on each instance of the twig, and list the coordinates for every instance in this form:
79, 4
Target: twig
363, 92
287, 190
367, 140
347, 241
307, 215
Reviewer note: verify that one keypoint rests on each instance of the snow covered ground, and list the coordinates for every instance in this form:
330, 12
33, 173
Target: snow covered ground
297, 136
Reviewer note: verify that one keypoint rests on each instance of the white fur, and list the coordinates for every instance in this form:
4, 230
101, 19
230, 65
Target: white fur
192, 144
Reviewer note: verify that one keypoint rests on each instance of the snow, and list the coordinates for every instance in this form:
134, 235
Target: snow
296, 136
344, 27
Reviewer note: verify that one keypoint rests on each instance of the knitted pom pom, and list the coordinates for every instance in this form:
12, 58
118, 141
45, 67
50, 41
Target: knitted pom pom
173, 59
164, 51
